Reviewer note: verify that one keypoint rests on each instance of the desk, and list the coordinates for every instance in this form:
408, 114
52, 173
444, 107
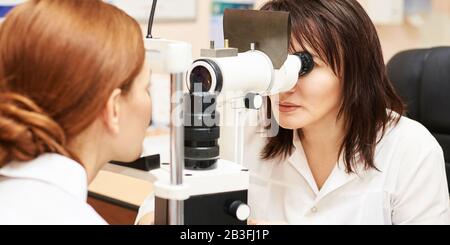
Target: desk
126, 191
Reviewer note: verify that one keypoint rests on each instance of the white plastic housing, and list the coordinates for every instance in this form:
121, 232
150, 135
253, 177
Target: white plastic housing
252, 71
167, 56
227, 177
287, 76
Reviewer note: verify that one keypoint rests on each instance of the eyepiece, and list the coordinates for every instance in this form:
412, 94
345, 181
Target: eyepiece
307, 63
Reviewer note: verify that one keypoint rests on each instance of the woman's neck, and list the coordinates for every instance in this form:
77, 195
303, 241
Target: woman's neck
328, 133
92, 163
321, 143
89, 150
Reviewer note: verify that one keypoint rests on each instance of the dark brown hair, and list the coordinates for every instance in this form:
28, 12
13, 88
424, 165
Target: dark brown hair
343, 36
59, 63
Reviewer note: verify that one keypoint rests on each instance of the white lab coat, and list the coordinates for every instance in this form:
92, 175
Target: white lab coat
49, 190
410, 188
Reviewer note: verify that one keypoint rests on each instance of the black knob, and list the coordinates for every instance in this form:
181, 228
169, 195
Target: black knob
239, 210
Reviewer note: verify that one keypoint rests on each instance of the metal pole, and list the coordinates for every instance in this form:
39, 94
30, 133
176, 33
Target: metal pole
239, 117
176, 208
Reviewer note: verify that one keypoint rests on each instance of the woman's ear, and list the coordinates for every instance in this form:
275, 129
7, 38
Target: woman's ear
111, 113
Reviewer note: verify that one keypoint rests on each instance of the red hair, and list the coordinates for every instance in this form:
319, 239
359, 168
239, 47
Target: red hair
59, 63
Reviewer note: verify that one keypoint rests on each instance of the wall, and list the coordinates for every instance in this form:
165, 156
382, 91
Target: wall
195, 32
433, 31
421, 31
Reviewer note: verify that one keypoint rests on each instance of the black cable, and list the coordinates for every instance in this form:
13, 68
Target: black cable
150, 21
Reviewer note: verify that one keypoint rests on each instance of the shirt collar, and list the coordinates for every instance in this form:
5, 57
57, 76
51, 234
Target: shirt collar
337, 178
299, 161
55, 169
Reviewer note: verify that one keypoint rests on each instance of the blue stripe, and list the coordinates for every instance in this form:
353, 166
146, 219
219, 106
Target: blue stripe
4, 10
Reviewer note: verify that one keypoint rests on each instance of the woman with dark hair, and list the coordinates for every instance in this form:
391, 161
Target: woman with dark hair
73, 96
343, 154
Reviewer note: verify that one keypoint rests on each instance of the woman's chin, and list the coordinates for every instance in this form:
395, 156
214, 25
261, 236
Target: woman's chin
291, 121
290, 124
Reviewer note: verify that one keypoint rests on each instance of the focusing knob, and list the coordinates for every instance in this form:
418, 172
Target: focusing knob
307, 63
253, 101
239, 210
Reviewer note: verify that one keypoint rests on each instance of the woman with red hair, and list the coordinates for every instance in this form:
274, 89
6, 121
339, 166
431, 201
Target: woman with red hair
73, 96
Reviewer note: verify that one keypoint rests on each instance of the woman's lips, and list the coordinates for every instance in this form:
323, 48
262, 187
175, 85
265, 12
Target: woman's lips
287, 107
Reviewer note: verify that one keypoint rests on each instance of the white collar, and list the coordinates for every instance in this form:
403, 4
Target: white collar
55, 169
337, 178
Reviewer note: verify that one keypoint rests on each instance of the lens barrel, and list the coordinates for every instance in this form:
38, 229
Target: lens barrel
201, 131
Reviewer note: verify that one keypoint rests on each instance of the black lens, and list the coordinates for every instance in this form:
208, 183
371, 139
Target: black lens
201, 131
200, 79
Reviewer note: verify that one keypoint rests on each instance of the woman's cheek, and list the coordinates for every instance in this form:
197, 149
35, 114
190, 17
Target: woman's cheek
150, 109
318, 92
146, 108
